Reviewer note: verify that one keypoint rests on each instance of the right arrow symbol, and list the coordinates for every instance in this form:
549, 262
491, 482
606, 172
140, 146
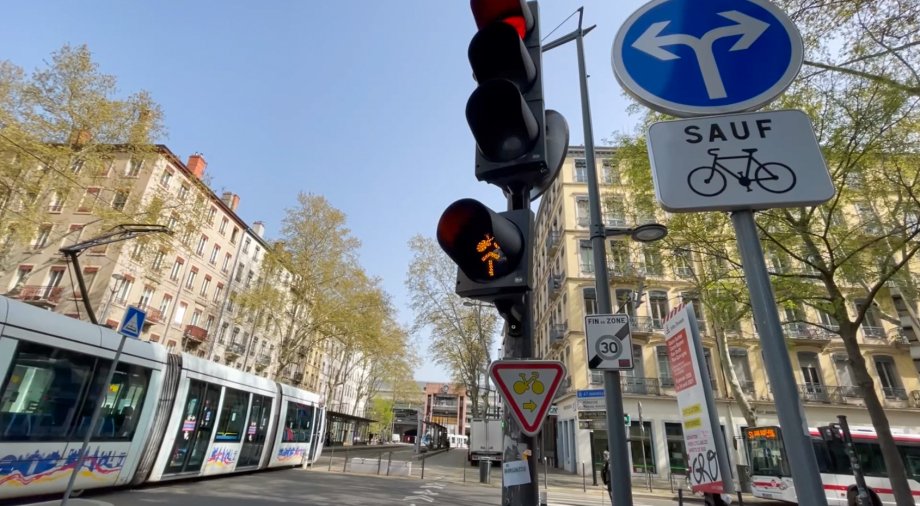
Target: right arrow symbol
529, 406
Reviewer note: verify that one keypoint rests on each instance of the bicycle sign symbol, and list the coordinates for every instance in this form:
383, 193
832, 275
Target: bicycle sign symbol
710, 180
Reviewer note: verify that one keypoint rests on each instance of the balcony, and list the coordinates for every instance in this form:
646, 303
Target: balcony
747, 386
641, 324
624, 271
898, 336
813, 392
640, 386
155, 316
666, 381
555, 285
873, 332
557, 332
44, 296
801, 333
895, 393
683, 271
196, 333
236, 348
553, 239
597, 377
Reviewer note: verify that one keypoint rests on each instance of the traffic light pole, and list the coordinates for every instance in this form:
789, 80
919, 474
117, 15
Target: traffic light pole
621, 489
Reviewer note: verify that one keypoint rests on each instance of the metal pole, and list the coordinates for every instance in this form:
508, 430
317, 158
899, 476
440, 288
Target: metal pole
862, 495
619, 453
648, 472
97, 410
800, 454
82, 283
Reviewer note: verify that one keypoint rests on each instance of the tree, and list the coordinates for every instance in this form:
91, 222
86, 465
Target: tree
462, 332
59, 131
839, 257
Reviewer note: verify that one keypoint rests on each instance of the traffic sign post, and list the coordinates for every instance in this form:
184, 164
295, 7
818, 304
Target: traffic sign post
132, 323
691, 58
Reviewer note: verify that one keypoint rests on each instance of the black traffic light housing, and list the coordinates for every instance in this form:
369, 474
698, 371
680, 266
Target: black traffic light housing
519, 144
492, 250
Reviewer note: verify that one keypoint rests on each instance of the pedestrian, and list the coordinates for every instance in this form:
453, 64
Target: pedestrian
605, 472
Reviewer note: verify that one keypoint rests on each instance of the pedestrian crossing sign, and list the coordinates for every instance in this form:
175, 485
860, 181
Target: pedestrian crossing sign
132, 323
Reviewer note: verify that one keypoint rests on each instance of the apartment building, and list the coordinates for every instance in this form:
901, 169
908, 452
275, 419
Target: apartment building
565, 292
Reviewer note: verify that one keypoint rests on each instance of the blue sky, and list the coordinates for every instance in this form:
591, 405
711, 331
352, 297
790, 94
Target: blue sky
359, 101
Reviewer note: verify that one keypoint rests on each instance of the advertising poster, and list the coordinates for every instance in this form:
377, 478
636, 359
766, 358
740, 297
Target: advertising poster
686, 366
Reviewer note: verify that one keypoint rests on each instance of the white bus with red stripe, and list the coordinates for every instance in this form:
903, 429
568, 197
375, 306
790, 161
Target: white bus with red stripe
771, 478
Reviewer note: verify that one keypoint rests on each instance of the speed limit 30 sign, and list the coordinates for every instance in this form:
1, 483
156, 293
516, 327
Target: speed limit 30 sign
609, 342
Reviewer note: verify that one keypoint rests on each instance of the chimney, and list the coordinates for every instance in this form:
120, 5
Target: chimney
196, 164
79, 137
259, 229
235, 202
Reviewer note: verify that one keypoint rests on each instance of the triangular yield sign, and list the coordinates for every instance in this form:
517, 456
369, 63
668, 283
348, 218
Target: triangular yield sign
528, 386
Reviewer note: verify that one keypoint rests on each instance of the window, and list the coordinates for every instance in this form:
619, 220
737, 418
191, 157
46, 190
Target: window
138, 250
223, 225
239, 272
614, 215
183, 192
586, 256
190, 279
76, 165
618, 259
652, 257
888, 378
44, 233
205, 285
590, 298
683, 263
196, 316
56, 203
180, 313
658, 307
872, 323
202, 242
74, 232
611, 171
164, 305
255, 254
813, 389
664, 366
176, 269
298, 423
214, 252
226, 265
693, 299
581, 170
158, 260
172, 221
146, 296
50, 394
210, 323
233, 235
218, 292
742, 367
677, 451
166, 177
246, 245
211, 214
22, 275
133, 168
120, 200
88, 201
624, 302
707, 357
582, 214
124, 291
640, 444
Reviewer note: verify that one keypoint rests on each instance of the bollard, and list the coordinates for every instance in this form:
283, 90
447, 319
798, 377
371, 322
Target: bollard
379, 458
584, 478
485, 468
740, 498
680, 497
389, 459
345, 465
331, 453
423, 468
464, 473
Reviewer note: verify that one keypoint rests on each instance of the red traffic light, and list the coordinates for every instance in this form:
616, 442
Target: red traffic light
485, 245
512, 12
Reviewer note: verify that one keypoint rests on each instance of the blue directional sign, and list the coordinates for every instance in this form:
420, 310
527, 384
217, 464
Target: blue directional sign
132, 323
692, 58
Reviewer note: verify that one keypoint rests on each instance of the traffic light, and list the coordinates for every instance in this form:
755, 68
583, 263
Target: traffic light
492, 250
519, 145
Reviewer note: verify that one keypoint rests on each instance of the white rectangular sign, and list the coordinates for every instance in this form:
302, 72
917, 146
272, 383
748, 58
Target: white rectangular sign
699, 436
756, 160
514, 473
609, 342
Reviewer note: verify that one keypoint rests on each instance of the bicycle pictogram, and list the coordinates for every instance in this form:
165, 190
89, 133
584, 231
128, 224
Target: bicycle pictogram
525, 384
710, 180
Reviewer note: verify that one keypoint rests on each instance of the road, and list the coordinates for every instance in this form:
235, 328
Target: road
448, 481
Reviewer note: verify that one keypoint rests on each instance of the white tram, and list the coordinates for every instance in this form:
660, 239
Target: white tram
164, 416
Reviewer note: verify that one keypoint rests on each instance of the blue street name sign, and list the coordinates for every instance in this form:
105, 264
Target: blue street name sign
587, 394
132, 323
691, 58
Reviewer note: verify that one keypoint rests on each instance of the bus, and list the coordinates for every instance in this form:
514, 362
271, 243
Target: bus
772, 479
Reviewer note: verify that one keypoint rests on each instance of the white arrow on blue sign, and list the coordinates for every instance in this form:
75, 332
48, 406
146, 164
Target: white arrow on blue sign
692, 58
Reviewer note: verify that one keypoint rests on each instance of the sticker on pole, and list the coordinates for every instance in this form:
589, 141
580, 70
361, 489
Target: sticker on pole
609, 342
528, 386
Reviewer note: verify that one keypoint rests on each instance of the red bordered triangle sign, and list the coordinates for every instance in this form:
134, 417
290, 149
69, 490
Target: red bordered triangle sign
528, 387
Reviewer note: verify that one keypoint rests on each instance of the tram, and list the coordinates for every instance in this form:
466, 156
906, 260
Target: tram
164, 415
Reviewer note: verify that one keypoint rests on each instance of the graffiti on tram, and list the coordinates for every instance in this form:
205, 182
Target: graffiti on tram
21, 470
291, 453
222, 457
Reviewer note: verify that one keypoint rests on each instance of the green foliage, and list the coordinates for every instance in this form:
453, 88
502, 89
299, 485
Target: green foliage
381, 411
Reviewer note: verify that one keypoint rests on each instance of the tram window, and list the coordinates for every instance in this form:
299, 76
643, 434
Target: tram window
41, 393
911, 456
870, 459
121, 406
232, 416
298, 423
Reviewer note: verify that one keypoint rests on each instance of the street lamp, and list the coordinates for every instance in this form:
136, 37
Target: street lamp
647, 232
119, 278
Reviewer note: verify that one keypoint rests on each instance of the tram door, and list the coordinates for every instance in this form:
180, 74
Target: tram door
195, 432
254, 439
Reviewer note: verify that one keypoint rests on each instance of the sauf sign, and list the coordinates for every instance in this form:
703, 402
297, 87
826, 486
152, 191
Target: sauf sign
738, 161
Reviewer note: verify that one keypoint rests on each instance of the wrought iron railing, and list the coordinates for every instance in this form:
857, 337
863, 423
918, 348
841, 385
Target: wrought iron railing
40, 293
640, 386
640, 324
557, 332
895, 393
812, 392
873, 332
